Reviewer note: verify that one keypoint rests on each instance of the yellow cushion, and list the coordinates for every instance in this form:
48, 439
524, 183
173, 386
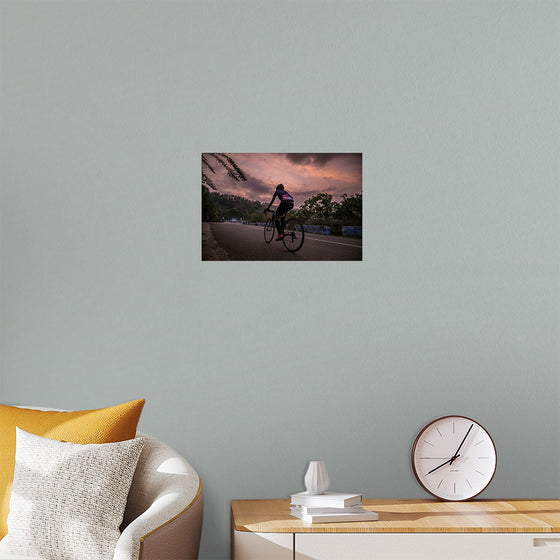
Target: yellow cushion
104, 425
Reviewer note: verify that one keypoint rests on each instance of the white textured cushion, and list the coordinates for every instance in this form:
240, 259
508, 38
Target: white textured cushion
68, 499
17, 557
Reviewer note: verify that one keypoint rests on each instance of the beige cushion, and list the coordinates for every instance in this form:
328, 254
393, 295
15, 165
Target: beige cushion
68, 499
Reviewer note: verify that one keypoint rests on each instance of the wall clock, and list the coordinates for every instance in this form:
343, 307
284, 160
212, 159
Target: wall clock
454, 458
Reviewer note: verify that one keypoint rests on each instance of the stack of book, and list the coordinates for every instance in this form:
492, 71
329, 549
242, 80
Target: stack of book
330, 507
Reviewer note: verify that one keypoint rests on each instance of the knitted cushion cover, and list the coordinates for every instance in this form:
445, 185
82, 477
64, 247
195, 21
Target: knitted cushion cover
68, 499
102, 425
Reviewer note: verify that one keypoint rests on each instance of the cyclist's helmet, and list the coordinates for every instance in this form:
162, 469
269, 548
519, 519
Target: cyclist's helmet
280, 186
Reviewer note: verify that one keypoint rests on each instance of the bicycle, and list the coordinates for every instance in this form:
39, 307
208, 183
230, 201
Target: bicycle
294, 233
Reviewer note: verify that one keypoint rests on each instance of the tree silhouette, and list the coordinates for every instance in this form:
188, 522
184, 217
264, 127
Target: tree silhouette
318, 207
349, 211
233, 170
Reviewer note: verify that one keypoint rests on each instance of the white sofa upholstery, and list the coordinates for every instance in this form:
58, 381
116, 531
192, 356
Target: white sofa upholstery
163, 516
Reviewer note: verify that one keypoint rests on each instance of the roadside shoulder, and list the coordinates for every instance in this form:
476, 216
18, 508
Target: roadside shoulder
211, 251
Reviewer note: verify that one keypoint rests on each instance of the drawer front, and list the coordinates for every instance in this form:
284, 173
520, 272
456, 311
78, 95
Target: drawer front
427, 546
261, 546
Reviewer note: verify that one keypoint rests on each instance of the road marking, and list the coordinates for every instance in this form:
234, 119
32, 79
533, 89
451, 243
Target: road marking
307, 238
333, 242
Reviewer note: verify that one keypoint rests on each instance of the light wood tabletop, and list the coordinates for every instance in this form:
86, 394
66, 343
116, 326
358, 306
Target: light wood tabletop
409, 516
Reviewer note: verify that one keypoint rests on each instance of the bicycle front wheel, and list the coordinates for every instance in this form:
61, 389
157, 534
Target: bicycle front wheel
293, 235
269, 230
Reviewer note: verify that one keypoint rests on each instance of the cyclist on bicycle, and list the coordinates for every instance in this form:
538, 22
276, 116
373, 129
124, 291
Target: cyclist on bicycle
286, 204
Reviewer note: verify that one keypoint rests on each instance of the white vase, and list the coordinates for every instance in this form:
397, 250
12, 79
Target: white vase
316, 478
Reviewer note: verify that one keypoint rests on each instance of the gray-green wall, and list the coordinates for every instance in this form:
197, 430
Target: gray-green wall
106, 107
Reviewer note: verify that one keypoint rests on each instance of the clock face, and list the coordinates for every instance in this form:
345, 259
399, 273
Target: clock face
454, 458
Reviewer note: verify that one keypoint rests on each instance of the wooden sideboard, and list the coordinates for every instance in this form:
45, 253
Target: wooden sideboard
406, 529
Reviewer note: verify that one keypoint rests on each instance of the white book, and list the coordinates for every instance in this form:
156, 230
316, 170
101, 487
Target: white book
364, 515
328, 499
312, 510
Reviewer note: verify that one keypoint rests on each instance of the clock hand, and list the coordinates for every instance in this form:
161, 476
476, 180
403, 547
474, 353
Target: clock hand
456, 455
461, 445
443, 464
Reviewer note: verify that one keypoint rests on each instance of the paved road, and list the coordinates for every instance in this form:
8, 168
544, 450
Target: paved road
241, 242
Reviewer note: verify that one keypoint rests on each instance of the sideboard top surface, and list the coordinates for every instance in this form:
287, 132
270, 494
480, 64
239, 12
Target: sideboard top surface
409, 516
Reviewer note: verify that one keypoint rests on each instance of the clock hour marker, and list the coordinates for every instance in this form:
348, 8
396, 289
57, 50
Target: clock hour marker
444, 455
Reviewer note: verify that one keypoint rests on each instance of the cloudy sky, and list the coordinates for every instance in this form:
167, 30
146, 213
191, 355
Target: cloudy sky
303, 175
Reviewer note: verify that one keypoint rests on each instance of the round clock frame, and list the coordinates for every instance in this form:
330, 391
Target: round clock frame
443, 496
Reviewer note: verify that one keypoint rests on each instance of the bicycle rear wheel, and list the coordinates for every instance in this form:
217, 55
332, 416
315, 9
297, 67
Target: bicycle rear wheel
269, 230
293, 235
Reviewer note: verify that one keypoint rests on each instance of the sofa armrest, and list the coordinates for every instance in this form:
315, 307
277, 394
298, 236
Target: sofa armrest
161, 533
163, 516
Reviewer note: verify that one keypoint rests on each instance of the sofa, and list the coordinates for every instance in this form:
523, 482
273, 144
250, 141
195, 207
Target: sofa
163, 516
164, 509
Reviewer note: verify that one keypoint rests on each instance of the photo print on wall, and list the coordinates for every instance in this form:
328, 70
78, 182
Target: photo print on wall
282, 206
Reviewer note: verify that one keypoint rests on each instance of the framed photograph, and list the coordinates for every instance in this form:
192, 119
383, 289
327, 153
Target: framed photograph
282, 206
